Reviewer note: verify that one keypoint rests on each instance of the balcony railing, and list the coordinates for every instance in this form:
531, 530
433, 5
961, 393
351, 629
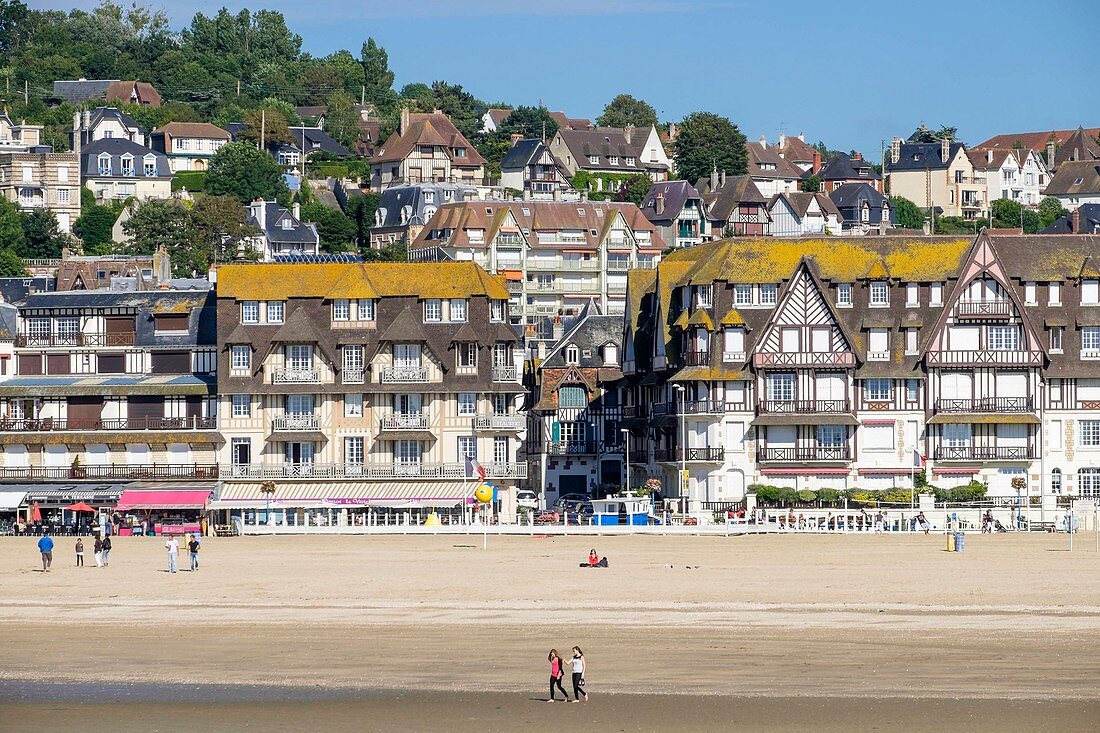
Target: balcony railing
295, 376
804, 407
505, 373
1024, 358
153, 471
809, 453
706, 455
48, 424
631, 412
404, 375
499, 422
697, 358
986, 405
388, 470
405, 421
296, 422
840, 358
985, 453
571, 447
733, 356
997, 308
353, 376
75, 339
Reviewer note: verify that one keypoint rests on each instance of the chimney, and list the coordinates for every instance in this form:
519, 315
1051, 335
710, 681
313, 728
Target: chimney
660, 203
764, 140
1076, 229
259, 213
895, 150
162, 266
628, 133
817, 162
1052, 148
722, 179
945, 150
515, 137
989, 156
77, 134
404, 124
714, 178
782, 140
672, 131
297, 210
802, 136
857, 156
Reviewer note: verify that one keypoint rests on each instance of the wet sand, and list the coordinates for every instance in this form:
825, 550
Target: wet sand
424, 633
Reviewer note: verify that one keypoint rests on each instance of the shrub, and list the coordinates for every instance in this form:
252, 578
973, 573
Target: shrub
896, 496
828, 496
806, 496
193, 181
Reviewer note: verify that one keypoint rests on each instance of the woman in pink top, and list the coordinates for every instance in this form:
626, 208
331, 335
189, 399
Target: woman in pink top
556, 673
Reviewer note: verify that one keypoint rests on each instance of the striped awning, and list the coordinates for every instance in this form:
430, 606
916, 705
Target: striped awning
346, 492
10, 500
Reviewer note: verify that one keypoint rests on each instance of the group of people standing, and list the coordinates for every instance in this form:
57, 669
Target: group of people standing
101, 547
194, 544
557, 671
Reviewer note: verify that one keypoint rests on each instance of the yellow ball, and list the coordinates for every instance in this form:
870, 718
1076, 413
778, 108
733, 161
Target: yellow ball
484, 493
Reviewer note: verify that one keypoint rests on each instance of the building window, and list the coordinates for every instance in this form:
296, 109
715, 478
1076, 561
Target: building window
467, 403
912, 390
572, 397
1088, 482
1031, 295
831, 436
1090, 340
458, 311
354, 450
1056, 340
341, 309
1088, 432
912, 295
149, 167
496, 311
880, 294
768, 294
1090, 292
844, 295
780, 387
572, 354
631, 161
742, 294
353, 404
242, 405
242, 357
467, 446
467, 355
1054, 294
613, 160
910, 341
956, 435
274, 311
366, 310
593, 159
878, 437
103, 165
433, 311
878, 390
610, 355
63, 196
1004, 338
703, 294
1056, 481
935, 294
127, 166
500, 449
250, 311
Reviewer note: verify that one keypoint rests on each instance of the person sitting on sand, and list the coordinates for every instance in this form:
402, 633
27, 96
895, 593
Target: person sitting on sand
593, 558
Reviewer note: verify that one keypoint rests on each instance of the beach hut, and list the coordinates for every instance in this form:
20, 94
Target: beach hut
621, 511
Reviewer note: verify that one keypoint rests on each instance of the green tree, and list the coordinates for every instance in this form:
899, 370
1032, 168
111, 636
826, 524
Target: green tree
811, 184
336, 230
11, 265
342, 120
397, 252
286, 109
625, 110
377, 77
464, 109
706, 141
156, 223
1050, 209
531, 122
908, 214
11, 226
217, 227
41, 237
240, 170
1006, 214
361, 210
634, 189
94, 228
268, 122
924, 135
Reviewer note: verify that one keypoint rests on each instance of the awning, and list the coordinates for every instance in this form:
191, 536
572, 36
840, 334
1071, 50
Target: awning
164, 499
887, 471
984, 419
804, 471
11, 500
297, 436
105, 384
805, 420
293, 492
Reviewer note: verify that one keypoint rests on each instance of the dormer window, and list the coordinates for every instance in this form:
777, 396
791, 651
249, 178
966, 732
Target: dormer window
127, 165
768, 294
610, 355
429, 197
593, 159
865, 213
703, 296
880, 294
149, 167
572, 354
460, 152
613, 160
844, 295
287, 223
104, 164
631, 160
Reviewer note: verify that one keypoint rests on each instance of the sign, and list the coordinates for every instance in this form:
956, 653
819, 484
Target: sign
178, 528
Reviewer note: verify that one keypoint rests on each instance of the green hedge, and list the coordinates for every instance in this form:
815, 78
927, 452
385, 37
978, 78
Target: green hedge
785, 496
193, 181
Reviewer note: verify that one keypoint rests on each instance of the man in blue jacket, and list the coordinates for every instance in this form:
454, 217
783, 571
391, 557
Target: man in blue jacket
45, 546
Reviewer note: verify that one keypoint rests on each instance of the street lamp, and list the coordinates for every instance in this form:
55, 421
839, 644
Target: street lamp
683, 439
626, 447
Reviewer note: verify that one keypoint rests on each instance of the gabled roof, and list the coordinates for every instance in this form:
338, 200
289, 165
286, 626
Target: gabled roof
736, 190
761, 155
116, 147
274, 217
923, 156
844, 167
1085, 218
316, 139
851, 194
81, 90
571, 123
990, 158
406, 326
1036, 141
126, 91
521, 154
1079, 146
411, 199
428, 129
1075, 178
589, 331
193, 129
605, 143
800, 201
795, 149
674, 195
498, 115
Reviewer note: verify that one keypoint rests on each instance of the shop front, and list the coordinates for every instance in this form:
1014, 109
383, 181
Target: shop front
45, 507
161, 510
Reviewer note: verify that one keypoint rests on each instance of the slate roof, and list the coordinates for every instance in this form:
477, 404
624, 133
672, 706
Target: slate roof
317, 139
850, 196
274, 216
588, 331
521, 154
843, 167
799, 202
676, 195
759, 154
75, 92
396, 198
9, 321
15, 289
429, 129
604, 143
116, 148
736, 190
923, 156
1065, 181
99, 114
1086, 215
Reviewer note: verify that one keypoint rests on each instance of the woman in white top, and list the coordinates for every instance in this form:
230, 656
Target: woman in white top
578, 674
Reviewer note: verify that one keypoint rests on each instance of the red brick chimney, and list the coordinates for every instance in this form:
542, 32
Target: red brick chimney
817, 162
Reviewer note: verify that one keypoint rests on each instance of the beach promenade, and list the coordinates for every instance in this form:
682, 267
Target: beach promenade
778, 632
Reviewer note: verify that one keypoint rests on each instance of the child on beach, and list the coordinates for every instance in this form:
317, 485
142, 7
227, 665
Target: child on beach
80, 552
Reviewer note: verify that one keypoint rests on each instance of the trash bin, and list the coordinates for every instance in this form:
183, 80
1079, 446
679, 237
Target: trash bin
960, 541
950, 541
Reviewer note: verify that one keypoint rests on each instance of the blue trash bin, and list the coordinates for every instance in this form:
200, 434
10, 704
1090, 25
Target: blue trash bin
960, 541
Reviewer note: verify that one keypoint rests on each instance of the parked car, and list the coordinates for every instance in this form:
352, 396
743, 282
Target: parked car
568, 499
527, 499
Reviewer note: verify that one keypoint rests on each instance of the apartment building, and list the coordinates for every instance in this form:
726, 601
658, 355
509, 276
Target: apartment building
109, 390
346, 386
839, 363
34, 176
555, 256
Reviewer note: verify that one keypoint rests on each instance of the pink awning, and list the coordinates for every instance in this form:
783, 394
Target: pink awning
804, 471
960, 470
166, 499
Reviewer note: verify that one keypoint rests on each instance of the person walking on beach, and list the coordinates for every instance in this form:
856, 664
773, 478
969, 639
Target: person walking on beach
578, 675
173, 547
45, 546
98, 549
193, 551
556, 673
106, 550
80, 552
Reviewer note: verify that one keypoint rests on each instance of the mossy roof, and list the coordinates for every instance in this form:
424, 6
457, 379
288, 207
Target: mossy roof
733, 318
701, 318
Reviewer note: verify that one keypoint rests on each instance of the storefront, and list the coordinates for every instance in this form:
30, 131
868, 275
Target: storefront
164, 510
52, 501
10, 501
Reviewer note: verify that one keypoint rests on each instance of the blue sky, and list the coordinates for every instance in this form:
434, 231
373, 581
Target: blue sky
849, 73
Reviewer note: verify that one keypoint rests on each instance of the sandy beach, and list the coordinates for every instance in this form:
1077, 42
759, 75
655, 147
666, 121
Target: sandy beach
697, 633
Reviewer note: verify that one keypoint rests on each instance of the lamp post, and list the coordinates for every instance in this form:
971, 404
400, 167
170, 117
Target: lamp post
682, 483
626, 448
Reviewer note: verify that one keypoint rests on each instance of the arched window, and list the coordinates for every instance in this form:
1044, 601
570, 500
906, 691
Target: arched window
572, 354
865, 212
1056, 481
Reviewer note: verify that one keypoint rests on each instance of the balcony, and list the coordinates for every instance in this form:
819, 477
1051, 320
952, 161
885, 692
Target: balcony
404, 421
878, 356
618, 265
733, 357
152, 471
571, 447
505, 373
804, 407
295, 376
49, 424
616, 288
75, 339
499, 422
804, 454
982, 358
985, 453
540, 263
987, 405
353, 376
697, 358
805, 359
998, 308
404, 375
296, 422
389, 470
634, 412
696, 455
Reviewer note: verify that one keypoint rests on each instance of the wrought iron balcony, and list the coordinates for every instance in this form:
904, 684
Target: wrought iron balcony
405, 421
295, 376
804, 454
48, 424
697, 455
296, 422
697, 358
75, 339
804, 407
505, 373
994, 308
404, 375
388, 470
499, 422
153, 471
986, 405
571, 447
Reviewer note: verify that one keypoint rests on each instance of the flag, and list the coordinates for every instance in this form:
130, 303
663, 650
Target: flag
473, 468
